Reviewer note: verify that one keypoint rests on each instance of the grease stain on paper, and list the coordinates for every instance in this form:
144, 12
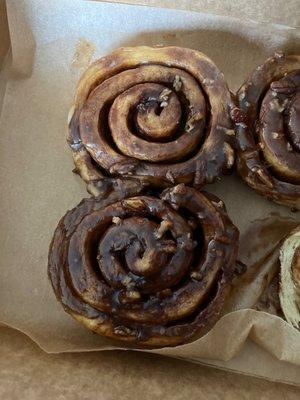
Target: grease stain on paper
84, 51
264, 234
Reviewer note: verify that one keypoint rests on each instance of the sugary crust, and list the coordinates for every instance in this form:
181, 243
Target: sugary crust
153, 269
158, 113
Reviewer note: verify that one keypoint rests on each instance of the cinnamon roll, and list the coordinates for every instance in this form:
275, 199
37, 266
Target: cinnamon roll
153, 269
289, 293
267, 124
158, 113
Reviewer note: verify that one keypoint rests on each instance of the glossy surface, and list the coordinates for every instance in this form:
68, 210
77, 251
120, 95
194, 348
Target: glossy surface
268, 129
158, 113
153, 269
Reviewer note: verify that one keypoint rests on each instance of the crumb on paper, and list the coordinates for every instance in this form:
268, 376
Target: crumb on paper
84, 51
133, 295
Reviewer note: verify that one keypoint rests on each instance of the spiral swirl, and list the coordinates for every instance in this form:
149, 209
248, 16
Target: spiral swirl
158, 113
268, 129
153, 269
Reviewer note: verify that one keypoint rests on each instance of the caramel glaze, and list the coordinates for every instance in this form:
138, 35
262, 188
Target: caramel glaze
158, 113
150, 268
267, 124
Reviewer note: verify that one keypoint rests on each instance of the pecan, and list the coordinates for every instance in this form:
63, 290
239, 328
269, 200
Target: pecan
196, 275
134, 203
128, 282
179, 189
229, 153
263, 176
170, 177
116, 220
275, 135
165, 226
164, 96
123, 331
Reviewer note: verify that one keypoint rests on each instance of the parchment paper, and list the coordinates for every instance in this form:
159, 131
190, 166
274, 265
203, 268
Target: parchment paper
273, 11
52, 43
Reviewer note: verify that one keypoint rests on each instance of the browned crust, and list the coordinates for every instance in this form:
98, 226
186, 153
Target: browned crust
267, 129
194, 146
172, 290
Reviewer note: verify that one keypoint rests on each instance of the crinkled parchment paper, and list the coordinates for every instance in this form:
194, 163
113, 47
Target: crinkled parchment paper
52, 43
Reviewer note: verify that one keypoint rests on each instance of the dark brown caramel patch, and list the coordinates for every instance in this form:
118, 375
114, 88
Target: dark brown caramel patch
134, 268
